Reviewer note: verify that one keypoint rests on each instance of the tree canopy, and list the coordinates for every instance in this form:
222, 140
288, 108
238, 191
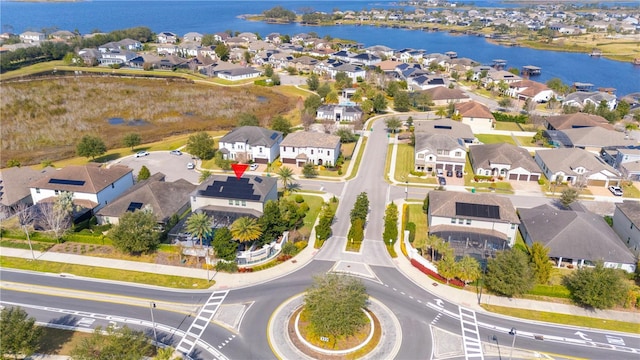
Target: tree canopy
509, 273
136, 232
201, 145
248, 119
122, 343
199, 225
393, 124
334, 304
539, 260
19, 334
144, 173
131, 140
224, 245
90, 146
390, 233
280, 13
280, 123
245, 229
597, 287
360, 209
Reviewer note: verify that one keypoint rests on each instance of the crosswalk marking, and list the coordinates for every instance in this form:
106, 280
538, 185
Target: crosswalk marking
201, 321
470, 334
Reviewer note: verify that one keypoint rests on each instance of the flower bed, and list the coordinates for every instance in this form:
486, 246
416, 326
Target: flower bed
436, 276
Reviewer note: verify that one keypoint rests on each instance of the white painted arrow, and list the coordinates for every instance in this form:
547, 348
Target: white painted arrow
439, 302
582, 335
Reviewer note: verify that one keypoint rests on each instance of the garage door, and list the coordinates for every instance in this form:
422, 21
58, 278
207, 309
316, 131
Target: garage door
534, 178
596, 183
523, 177
513, 176
260, 161
288, 161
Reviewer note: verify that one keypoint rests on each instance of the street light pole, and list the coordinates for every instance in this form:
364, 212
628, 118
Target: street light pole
513, 332
406, 190
155, 335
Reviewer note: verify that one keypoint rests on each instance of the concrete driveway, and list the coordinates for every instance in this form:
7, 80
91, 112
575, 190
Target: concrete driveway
173, 166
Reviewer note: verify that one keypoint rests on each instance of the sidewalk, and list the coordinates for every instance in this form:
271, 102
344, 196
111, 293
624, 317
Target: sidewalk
469, 299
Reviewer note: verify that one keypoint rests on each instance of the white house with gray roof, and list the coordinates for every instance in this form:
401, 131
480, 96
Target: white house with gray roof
317, 148
626, 223
576, 236
592, 138
251, 143
438, 151
576, 166
503, 160
339, 113
222, 195
579, 99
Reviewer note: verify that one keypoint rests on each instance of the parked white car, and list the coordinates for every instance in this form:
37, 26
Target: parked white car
142, 153
615, 190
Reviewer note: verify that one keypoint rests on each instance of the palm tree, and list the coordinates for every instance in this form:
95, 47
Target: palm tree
199, 225
245, 229
469, 269
286, 176
442, 111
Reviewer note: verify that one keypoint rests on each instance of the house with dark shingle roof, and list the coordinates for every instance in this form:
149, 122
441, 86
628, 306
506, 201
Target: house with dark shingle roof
576, 166
576, 236
228, 196
474, 224
438, 151
14, 185
93, 186
455, 129
424, 82
339, 113
476, 115
626, 223
591, 138
251, 143
304, 146
505, 160
163, 199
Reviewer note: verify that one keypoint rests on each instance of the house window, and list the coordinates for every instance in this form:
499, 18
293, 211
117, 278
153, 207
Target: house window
244, 203
460, 221
57, 192
468, 221
237, 202
458, 154
37, 190
513, 226
453, 220
260, 149
311, 151
230, 202
420, 156
113, 185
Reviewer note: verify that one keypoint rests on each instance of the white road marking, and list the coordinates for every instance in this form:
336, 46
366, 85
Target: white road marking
615, 340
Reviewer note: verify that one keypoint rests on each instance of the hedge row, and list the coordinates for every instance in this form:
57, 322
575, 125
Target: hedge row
502, 117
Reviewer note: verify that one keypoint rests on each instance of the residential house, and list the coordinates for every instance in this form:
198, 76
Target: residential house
248, 36
530, 90
339, 113
443, 96
438, 151
93, 186
424, 82
343, 56
260, 45
195, 37
626, 223
310, 147
380, 51
473, 224
590, 138
476, 115
63, 35
388, 66
576, 120
452, 128
239, 73
167, 49
274, 38
229, 197
167, 37
32, 36
281, 60
89, 56
495, 77
221, 37
14, 186
627, 161
503, 160
304, 63
163, 199
333, 68
251, 143
576, 167
365, 59
579, 99
576, 236
116, 57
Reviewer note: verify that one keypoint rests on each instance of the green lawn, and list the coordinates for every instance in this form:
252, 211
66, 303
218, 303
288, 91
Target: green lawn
347, 152
419, 218
508, 126
630, 191
499, 186
404, 165
315, 203
495, 139
356, 166
565, 319
525, 140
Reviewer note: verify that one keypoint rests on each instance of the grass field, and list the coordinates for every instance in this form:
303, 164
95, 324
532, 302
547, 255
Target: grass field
508, 126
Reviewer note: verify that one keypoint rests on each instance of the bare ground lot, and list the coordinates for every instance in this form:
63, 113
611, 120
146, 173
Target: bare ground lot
42, 119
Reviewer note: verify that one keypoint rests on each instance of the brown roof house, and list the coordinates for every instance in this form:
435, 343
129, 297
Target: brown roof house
477, 116
474, 224
503, 160
93, 186
164, 199
304, 146
14, 186
576, 236
227, 198
591, 138
576, 120
529, 89
442, 95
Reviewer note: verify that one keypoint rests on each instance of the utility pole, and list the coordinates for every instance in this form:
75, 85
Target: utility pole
155, 335
513, 332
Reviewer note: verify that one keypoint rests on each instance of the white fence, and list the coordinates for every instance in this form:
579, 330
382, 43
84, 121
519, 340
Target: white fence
413, 254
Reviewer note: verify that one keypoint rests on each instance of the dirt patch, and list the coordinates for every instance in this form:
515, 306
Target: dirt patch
106, 251
349, 342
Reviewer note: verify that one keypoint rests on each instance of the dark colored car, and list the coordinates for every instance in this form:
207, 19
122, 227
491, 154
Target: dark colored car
442, 181
449, 173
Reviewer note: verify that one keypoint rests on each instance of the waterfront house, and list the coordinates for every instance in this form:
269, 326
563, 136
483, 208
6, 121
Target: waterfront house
195, 37
63, 35
575, 236
116, 57
32, 37
626, 223
310, 147
163, 199
476, 115
251, 143
167, 37
576, 167
93, 186
530, 90
579, 99
503, 160
473, 224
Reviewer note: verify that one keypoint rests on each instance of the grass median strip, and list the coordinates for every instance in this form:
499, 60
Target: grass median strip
565, 319
171, 281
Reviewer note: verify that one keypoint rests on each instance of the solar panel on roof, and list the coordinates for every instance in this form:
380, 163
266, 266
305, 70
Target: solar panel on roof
478, 210
231, 189
274, 136
66, 182
258, 180
133, 206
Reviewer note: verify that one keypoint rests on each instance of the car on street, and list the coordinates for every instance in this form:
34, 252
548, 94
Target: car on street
142, 153
442, 181
253, 167
191, 166
176, 152
615, 190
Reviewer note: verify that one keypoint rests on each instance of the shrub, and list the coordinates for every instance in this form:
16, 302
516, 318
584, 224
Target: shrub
300, 245
299, 199
541, 181
289, 249
417, 173
227, 266
412, 231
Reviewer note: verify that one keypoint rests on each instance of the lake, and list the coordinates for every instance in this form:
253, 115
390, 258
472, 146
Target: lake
205, 17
